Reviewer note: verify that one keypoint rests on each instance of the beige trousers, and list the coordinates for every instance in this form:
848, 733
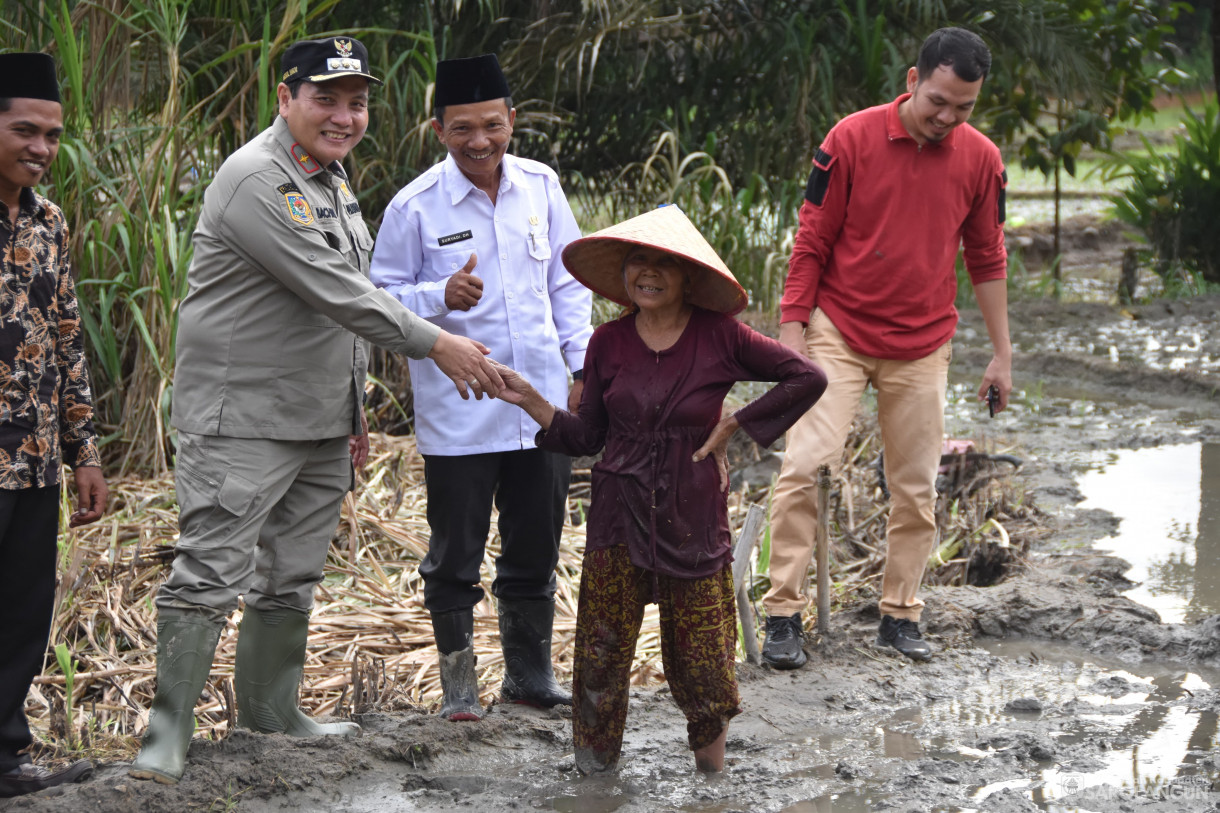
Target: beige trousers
911, 414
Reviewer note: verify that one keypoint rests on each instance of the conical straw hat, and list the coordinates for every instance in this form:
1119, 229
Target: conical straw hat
597, 260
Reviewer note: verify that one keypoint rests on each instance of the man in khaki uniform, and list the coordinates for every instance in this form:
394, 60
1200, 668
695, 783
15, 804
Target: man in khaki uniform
268, 400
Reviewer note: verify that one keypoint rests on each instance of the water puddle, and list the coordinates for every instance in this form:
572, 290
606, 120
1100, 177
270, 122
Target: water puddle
1175, 343
1168, 501
1112, 734
1031, 722
1153, 745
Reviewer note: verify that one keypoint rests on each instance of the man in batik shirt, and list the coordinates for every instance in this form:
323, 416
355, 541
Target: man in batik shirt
45, 409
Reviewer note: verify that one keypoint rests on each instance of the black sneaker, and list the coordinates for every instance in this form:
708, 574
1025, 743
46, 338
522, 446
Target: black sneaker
782, 647
28, 777
903, 634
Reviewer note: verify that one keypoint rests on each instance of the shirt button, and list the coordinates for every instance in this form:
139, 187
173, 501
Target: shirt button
516, 335
510, 294
503, 256
312, 257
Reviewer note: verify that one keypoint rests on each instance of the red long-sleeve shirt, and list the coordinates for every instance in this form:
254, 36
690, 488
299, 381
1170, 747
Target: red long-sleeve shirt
880, 229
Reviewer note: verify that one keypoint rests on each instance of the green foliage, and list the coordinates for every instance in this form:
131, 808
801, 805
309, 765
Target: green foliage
715, 106
1080, 64
67, 665
1173, 197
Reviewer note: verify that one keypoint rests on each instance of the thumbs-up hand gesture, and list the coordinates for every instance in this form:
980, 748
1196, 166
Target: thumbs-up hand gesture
464, 290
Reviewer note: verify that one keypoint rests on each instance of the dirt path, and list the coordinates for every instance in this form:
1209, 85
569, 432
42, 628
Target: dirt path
1049, 687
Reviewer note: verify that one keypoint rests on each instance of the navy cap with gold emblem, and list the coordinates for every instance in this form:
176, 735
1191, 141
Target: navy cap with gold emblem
466, 81
28, 76
325, 59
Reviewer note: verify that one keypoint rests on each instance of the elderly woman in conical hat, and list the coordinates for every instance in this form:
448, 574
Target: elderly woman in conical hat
658, 531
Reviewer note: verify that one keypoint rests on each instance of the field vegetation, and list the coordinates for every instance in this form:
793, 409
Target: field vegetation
712, 105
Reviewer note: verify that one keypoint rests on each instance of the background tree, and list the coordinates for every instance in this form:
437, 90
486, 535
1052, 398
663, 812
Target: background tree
1088, 65
714, 104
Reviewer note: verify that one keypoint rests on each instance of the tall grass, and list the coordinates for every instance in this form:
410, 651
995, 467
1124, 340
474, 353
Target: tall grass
715, 106
155, 94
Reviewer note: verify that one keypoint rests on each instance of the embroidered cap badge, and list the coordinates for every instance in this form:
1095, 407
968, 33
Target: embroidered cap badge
343, 47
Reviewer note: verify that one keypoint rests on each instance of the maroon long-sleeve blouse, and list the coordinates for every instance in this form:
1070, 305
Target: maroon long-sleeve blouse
652, 411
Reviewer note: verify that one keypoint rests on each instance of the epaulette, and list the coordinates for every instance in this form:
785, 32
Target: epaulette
532, 167
425, 181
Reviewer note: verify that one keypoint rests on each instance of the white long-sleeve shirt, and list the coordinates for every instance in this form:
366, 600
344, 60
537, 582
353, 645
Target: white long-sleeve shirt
533, 315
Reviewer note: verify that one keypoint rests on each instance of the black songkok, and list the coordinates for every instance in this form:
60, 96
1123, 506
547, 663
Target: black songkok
466, 81
28, 76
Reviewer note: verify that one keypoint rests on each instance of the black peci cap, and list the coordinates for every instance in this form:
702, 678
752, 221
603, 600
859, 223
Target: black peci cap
465, 81
28, 76
321, 60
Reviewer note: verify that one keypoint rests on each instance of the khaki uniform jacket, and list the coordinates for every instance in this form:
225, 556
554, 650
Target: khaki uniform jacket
278, 292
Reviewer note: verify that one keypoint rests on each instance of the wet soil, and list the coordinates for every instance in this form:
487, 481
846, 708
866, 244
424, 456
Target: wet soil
1050, 690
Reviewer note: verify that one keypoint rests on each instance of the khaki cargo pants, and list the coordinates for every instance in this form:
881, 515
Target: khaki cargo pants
911, 414
256, 517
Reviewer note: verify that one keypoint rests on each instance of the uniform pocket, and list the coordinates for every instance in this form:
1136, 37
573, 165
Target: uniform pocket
210, 497
539, 246
447, 263
236, 494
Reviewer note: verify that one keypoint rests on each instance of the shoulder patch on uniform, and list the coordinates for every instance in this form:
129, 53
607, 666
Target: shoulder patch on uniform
284, 189
304, 159
1002, 198
819, 177
298, 207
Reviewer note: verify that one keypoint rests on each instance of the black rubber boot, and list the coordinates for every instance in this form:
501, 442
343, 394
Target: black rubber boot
31, 778
525, 637
267, 676
186, 644
903, 634
782, 647
454, 634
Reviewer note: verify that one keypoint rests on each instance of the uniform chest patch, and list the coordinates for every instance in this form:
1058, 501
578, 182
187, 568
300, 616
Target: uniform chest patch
456, 237
298, 207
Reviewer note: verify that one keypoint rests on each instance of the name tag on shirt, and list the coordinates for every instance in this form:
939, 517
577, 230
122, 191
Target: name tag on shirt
449, 239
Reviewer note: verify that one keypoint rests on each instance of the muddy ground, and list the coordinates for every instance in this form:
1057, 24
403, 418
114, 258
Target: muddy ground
1043, 683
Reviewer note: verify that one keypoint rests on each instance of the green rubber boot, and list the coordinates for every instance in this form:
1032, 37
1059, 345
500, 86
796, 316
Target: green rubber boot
186, 644
267, 675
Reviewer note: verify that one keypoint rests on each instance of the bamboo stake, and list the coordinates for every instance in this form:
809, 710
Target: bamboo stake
823, 549
741, 558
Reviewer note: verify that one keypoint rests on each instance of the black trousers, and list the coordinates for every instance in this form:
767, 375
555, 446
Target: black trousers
29, 525
530, 490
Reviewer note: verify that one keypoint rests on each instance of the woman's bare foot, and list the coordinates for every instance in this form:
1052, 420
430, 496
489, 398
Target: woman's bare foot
710, 758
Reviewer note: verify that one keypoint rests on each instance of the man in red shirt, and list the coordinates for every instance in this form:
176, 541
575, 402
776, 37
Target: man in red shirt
895, 191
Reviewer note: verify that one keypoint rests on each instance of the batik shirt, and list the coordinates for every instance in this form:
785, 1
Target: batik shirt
46, 409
